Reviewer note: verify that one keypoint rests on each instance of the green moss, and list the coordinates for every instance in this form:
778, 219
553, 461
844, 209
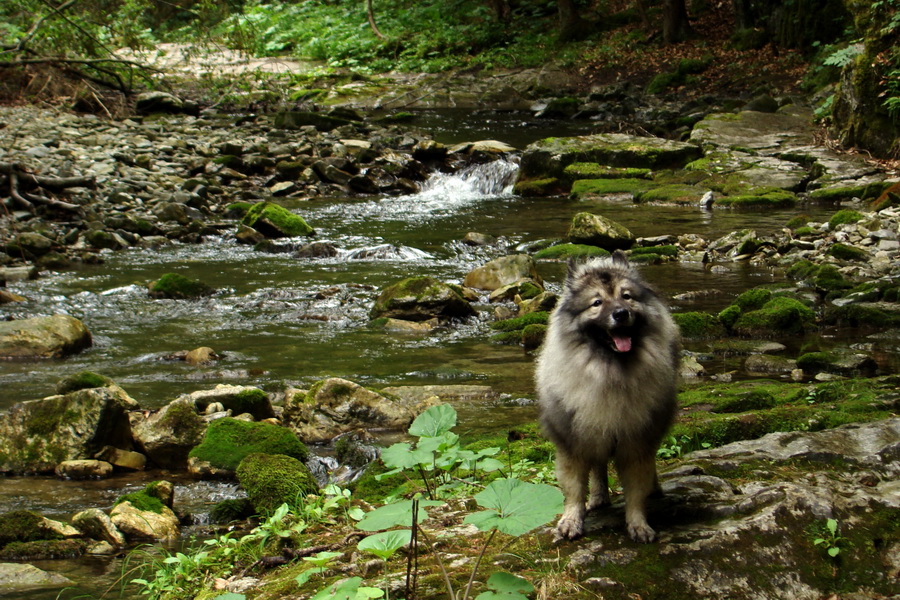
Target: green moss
581, 170
753, 299
228, 441
548, 186
779, 315
602, 187
237, 210
863, 315
802, 269
275, 221
421, 298
273, 479
770, 197
42, 550
844, 217
838, 194
253, 401
759, 399
804, 232
698, 325
845, 252
671, 194
567, 251
797, 222
81, 381
181, 417
729, 315
666, 250
813, 362
145, 500
22, 526
829, 279
235, 509
174, 285
533, 335
519, 323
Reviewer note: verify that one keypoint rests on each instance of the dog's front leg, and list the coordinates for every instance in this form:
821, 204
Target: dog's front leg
572, 475
599, 486
638, 475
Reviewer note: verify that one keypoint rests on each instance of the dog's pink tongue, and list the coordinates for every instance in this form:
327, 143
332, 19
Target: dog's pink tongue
622, 342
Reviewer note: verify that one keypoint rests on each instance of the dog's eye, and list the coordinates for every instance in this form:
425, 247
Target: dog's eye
597, 302
626, 296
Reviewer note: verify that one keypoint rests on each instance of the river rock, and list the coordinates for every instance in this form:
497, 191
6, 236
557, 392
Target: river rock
335, 406
84, 469
239, 399
421, 299
550, 156
455, 394
503, 271
168, 435
274, 221
126, 460
597, 230
37, 435
753, 509
97, 525
43, 337
144, 524
15, 577
201, 356
158, 102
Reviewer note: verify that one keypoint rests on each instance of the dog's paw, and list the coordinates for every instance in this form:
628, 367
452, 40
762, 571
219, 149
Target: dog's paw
641, 532
569, 528
598, 502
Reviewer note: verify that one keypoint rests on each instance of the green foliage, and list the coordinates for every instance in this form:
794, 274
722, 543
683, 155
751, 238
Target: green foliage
516, 507
830, 539
228, 441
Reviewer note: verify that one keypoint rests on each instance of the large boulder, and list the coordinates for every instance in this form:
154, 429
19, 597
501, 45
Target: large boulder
134, 523
335, 406
239, 399
43, 337
421, 299
549, 157
274, 221
97, 525
168, 435
503, 271
37, 435
597, 230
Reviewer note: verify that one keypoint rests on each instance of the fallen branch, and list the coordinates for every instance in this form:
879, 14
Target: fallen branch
25, 187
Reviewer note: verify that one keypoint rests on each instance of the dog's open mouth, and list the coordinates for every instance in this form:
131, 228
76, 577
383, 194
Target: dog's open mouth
621, 340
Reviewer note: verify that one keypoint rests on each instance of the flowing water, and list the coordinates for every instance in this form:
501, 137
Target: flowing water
281, 320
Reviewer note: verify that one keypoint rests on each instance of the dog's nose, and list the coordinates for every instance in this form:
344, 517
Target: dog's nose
620, 315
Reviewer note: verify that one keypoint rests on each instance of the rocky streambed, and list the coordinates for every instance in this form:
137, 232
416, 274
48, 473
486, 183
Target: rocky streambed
781, 259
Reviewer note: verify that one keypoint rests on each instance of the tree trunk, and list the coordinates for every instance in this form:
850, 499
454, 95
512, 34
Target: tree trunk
676, 27
370, 12
501, 9
571, 25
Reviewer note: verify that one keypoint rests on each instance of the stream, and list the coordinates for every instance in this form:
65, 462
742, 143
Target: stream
279, 320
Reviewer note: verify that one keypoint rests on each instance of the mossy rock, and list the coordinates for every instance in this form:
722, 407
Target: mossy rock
228, 511
237, 210
567, 251
698, 325
729, 316
879, 315
753, 299
421, 299
577, 171
23, 526
596, 230
844, 217
667, 250
273, 479
83, 380
228, 441
780, 315
143, 501
827, 278
678, 194
253, 401
764, 197
760, 399
176, 286
838, 193
43, 550
845, 252
583, 188
520, 323
548, 186
533, 336
797, 222
274, 221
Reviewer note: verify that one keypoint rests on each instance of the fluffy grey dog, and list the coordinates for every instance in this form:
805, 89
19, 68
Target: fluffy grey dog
606, 378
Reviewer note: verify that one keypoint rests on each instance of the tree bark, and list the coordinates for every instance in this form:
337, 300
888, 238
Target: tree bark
676, 27
370, 12
571, 25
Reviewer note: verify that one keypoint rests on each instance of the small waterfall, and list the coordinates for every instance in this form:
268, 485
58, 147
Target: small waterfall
495, 178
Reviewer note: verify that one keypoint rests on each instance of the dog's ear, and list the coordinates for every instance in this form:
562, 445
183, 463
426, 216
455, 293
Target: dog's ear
572, 268
619, 259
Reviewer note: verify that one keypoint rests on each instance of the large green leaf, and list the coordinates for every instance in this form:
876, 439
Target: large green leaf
505, 586
434, 421
385, 543
396, 514
516, 507
348, 589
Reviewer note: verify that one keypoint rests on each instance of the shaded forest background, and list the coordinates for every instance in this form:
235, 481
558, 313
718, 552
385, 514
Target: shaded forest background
843, 53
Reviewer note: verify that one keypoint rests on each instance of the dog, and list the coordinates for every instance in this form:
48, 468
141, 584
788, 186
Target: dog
606, 379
